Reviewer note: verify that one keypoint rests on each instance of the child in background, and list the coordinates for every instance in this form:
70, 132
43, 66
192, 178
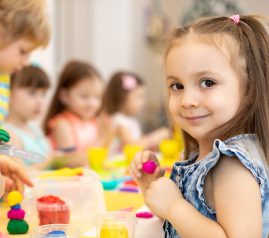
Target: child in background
219, 95
123, 100
27, 102
18, 38
23, 27
71, 122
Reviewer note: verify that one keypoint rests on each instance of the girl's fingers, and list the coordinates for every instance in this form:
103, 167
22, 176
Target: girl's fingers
145, 156
20, 174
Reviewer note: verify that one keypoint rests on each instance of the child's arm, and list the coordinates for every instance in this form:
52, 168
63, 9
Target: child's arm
63, 135
145, 141
237, 202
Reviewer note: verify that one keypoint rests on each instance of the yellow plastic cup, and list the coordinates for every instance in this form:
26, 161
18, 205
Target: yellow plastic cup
130, 151
169, 149
116, 224
96, 157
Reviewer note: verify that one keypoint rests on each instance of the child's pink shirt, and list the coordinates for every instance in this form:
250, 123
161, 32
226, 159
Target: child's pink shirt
84, 132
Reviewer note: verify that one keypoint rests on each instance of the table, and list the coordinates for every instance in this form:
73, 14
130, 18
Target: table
115, 200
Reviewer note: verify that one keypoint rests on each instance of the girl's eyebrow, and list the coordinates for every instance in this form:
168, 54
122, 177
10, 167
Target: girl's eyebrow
171, 77
204, 72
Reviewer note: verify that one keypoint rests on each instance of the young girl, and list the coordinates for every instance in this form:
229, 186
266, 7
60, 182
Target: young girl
217, 73
124, 99
71, 121
27, 102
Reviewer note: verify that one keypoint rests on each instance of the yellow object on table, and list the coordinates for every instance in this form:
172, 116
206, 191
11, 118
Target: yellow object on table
113, 231
97, 157
130, 151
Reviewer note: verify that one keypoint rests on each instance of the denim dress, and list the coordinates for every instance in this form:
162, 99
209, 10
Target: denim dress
190, 176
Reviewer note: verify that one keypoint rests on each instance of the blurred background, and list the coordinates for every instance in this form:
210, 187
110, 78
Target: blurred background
126, 34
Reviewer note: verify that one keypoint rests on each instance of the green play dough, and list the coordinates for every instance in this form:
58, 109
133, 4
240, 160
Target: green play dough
17, 227
4, 136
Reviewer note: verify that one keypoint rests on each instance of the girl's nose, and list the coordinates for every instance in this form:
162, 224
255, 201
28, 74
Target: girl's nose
189, 98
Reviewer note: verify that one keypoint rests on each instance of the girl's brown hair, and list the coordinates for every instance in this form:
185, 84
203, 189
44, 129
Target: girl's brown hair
115, 94
251, 40
73, 73
24, 19
30, 77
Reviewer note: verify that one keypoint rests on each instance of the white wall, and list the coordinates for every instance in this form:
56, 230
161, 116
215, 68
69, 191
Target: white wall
110, 34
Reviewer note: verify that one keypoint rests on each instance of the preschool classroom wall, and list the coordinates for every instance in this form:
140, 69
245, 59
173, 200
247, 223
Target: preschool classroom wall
122, 34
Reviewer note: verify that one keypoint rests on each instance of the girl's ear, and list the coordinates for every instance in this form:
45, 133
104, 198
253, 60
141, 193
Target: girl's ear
63, 96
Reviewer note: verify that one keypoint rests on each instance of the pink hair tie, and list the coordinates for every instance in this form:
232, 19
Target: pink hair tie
129, 83
235, 18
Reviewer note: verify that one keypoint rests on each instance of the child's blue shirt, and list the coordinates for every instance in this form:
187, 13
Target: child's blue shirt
190, 176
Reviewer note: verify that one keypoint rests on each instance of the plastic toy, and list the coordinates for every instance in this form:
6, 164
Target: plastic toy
64, 172
10, 150
149, 167
16, 224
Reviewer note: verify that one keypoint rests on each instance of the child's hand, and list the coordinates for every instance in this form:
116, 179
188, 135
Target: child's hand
161, 196
14, 174
144, 179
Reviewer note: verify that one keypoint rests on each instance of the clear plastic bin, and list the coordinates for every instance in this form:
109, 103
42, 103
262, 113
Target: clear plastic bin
84, 194
56, 231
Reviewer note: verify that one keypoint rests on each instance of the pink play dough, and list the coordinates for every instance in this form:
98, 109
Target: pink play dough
149, 167
16, 214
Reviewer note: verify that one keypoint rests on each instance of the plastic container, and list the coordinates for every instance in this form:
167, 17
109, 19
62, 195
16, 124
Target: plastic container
56, 231
118, 224
130, 151
83, 193
53, 213
97, 157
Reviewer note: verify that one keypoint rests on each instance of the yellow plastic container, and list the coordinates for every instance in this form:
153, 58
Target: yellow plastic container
96, 157
116, 224
130, 151
169, 152
113, 231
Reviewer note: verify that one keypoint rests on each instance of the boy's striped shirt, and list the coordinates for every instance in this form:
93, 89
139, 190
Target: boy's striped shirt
4, 96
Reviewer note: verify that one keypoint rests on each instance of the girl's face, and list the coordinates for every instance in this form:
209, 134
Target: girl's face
15, 55
134, 101
27, 103
84, 98
204, 90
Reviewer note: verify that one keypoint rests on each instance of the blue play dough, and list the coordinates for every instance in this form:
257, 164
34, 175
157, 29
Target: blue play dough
16, 207
56, 233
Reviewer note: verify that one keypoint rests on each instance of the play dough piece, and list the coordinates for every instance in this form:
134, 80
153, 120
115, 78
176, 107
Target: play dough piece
17, 227
14, 198
16, 214
149, 167
144, 215
114, 230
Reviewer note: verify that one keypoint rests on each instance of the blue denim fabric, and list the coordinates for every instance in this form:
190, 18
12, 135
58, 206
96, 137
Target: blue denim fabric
190, 176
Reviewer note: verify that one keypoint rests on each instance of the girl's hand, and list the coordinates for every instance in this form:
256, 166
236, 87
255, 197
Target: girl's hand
143, 179
161, 196
14, 174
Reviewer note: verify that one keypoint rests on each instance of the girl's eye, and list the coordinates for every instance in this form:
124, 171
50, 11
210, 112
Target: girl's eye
207, 83
176, 86
23, 52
